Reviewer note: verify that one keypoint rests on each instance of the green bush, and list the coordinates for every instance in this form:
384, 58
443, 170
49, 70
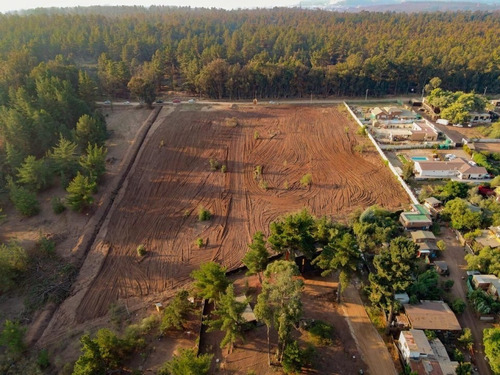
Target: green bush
204, 214
214, 164
13, 262
199, 242
58, 205
43, 359
46, 245
187, 363
306, 180
141, 250
458, 306
24, 200
12, 336
292, 358
321, 333
223, 169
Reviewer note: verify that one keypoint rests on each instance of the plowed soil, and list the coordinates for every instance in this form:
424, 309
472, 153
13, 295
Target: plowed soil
172, 179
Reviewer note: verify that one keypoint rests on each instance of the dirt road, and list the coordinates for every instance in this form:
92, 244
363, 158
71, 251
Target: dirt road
454, 257
372, 347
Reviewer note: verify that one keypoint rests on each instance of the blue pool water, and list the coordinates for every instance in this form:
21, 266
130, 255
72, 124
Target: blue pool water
418, 158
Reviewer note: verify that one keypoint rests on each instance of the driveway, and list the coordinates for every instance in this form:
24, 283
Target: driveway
454, 257
370, 344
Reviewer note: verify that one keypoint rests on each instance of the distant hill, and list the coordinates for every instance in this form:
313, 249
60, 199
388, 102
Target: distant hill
402, 6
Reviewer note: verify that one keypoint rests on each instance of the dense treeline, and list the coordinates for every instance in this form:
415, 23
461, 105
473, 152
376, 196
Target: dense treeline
49, 132
262, 53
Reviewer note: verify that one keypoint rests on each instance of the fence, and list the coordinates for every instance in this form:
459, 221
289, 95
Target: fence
391, 167
406, 147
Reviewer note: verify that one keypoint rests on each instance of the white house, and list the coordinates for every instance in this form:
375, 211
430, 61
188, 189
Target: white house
448, 169
414, 345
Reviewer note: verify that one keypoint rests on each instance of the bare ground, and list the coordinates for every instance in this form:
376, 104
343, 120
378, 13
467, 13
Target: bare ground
157, 205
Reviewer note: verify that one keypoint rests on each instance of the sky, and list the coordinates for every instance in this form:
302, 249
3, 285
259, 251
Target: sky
6, 6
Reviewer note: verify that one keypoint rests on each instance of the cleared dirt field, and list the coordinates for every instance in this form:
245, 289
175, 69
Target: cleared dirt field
172, 179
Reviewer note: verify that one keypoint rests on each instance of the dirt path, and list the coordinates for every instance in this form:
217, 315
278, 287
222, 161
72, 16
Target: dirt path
372, 347
454, 257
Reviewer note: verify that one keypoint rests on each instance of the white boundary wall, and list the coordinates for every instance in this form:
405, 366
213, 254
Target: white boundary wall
391, 167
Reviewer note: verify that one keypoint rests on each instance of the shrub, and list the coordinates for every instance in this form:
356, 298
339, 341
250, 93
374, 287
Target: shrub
292, 358
175, 314
256, 135
306, 180
321, 333
199, 242
46, 245
257, 172
214, 164
204, 214
448, 284
186, 362
263, 185
43, 359
12, 337
223, 169
232, 122
13, 262
286, 185
141, 250
58, 205
441, 245
24, 200
458, 306
362, 131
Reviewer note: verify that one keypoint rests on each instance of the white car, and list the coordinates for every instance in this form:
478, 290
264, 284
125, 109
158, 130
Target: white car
191, 101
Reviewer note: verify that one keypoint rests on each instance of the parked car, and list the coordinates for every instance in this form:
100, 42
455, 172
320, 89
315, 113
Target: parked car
159, 101
126, 102
107, 102
191, 101
176, 101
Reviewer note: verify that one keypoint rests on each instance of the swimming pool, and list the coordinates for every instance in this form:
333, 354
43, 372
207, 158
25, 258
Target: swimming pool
419, 158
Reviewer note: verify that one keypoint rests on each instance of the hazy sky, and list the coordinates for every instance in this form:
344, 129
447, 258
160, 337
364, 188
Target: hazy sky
6, 5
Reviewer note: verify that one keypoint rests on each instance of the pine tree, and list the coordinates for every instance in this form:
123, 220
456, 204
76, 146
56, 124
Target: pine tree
210, 281
256, 259
229, 318
94, 161
33, 173
80, 192
279, 304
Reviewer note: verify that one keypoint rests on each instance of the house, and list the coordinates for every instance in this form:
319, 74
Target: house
417, 218
432, 315
479, 117
414, 345
435, 206
427, 249
441, 267
494, 288
402, 298
248, 315
420, 236
378, 113
483, 281
488, 238
449, 169
425, 357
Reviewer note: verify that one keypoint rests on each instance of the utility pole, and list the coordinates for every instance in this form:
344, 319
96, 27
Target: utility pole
484, 93
366, 95
311, 97
423, 89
